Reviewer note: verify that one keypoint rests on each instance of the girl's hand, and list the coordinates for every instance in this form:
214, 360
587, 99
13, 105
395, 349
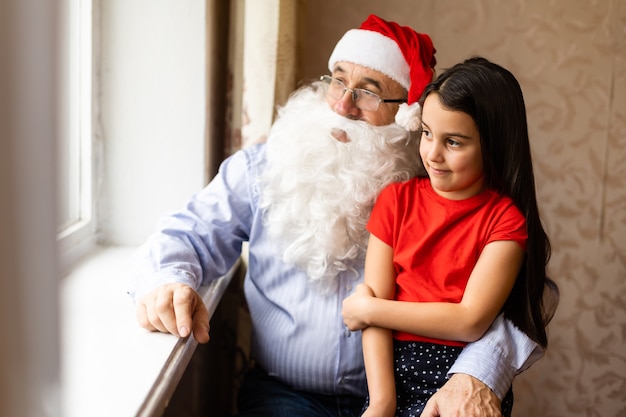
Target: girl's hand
355, 307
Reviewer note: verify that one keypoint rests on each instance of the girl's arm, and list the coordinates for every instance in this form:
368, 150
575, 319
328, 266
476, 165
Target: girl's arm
488, 287
377, 342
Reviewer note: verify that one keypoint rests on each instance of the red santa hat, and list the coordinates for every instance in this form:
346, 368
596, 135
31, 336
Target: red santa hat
397, 51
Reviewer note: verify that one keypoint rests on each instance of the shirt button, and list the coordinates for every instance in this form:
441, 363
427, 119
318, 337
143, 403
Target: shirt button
349, 287
347, 332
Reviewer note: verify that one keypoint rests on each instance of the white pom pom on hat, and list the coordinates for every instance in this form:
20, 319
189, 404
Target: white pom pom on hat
409, 116
397, 51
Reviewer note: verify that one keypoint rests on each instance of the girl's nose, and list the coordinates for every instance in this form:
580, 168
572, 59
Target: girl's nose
434, 151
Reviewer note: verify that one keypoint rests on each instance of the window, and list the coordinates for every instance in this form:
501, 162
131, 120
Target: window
75, 214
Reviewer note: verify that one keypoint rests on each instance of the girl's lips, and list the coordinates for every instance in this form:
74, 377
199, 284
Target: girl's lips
436, 171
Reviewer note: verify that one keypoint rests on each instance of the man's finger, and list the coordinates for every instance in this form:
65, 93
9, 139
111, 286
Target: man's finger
201, 324
152, 312
164, 317
142, 317
430, 410
185, 303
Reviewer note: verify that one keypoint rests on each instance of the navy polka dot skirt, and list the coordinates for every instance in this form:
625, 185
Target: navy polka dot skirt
420, 370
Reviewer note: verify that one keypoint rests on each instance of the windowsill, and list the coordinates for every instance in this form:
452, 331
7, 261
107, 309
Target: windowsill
110, 366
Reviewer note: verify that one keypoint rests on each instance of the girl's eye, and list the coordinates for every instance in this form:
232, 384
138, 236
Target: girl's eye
426, 133
453, 143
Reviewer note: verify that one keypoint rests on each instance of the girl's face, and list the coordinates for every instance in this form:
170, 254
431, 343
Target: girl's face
450, 150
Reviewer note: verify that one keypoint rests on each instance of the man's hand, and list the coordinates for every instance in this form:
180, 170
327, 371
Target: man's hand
463, 396
176, 309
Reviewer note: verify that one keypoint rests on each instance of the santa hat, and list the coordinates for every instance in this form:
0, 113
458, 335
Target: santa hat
397, 51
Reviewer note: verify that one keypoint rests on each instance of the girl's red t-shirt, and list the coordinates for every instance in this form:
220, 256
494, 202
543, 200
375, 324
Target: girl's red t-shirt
436, 242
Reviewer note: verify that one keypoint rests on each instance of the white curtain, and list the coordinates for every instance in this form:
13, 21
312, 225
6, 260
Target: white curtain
262, 66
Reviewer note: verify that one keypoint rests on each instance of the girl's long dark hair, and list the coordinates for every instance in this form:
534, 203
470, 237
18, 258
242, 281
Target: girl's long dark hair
491, 95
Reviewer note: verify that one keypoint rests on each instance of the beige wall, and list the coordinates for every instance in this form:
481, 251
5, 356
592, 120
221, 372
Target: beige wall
570, 58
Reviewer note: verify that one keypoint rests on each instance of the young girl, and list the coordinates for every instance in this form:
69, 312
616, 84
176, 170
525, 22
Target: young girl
449, 252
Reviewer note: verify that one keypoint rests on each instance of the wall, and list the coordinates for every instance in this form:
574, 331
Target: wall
570, 58
152, 125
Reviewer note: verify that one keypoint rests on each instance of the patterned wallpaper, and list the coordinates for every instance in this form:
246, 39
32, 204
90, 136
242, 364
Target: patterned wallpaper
570, 58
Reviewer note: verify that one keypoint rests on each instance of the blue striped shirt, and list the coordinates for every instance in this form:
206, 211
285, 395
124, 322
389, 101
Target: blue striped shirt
298, 333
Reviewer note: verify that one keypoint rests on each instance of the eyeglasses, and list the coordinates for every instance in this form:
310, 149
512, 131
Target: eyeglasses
363, 99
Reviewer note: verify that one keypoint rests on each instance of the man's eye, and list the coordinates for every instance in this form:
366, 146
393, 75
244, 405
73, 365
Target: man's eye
367, 93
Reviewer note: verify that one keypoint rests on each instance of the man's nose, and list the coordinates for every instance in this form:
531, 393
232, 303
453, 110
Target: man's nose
346, 106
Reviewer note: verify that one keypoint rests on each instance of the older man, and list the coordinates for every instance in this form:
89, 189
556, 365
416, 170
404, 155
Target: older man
301, 201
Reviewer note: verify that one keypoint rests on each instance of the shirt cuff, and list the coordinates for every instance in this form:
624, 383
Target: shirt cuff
503, 352
145, 284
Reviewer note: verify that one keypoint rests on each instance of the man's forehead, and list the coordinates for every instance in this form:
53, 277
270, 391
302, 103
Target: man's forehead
366, 75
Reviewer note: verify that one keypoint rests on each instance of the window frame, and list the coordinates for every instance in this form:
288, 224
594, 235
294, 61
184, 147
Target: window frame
78, 235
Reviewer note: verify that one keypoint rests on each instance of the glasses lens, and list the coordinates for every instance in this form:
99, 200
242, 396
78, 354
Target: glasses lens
336, 88
363, 99
366, 100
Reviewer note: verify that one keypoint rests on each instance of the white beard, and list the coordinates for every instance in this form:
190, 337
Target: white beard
318, 192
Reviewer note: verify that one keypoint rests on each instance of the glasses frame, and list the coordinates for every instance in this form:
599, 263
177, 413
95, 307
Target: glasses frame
354, 92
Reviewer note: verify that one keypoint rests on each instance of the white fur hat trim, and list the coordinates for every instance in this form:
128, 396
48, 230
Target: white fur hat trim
372, 50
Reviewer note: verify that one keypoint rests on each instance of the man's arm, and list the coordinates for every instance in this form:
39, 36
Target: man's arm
484, 372
192, 247
503, 352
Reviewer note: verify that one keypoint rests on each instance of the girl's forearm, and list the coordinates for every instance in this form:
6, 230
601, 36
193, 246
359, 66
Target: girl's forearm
378, 357
450, 321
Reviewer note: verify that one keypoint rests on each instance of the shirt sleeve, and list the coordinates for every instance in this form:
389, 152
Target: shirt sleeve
495, 359
379, 223
511, 225
203, 240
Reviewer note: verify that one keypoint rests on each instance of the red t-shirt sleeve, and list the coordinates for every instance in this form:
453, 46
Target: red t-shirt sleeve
381, 220
511, 225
